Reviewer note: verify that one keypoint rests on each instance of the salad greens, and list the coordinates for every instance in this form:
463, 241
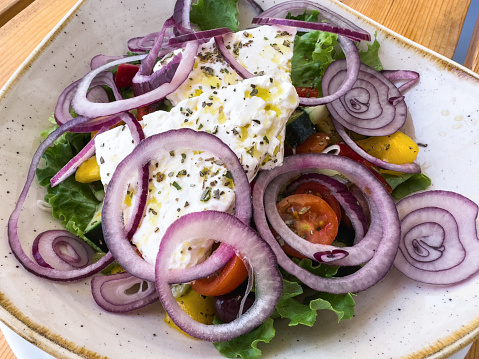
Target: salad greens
72, 202
313, 52
407, 183
212, 14
296, 305
75, 203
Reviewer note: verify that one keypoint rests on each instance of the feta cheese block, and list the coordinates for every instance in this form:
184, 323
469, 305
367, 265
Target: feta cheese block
249, 117
183, 181
265, 50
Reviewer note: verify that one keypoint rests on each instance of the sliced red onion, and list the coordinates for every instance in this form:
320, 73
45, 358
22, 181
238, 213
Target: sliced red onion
231, 60
399, 75
228, 229
61, 250
98, 94
351, 64
146, 83
439, 243
143, 43
384, 224
62, 108
93, 110
181, 13
100, 60
405, 167
360, 253
346, 199
328, 20
145, 80
199, 35
374, 105
122, 292
256, 6
72, 165
138, 204
13, 237
151, 148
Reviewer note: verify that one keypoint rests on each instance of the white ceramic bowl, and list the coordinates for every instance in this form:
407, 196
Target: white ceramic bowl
397, 318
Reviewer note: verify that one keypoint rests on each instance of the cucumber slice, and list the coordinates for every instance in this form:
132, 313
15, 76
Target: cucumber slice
94, 230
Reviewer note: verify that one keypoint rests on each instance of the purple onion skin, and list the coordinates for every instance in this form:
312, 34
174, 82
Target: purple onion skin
227, 306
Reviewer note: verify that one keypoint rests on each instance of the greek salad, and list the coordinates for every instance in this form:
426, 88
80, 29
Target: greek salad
240, 176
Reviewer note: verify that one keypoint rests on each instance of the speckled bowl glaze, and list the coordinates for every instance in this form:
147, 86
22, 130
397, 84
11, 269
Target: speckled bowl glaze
398, 318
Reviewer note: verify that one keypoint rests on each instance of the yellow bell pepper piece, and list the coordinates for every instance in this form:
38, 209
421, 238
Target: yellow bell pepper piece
397, 148
199, 307
89, 171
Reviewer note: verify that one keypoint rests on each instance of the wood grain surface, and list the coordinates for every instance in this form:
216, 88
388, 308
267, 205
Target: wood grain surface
435, 24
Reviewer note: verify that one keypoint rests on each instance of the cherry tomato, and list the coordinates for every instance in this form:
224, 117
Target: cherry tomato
125, 74
307, 92
145, 110
346, 151
315, 143
323, 192
225, 281
310, 217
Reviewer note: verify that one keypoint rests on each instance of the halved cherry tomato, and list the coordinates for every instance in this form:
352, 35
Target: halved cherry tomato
124, 75
145, 110
307, 92
346, 151
315, 143
225, 281
310, 217
322, 192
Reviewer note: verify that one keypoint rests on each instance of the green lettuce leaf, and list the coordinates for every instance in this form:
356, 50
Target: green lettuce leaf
246, 345
370, 56
311, 16
341, 304
73, 203
301, 309
295, 306
212, 14
313, 53
407, 183
290, 308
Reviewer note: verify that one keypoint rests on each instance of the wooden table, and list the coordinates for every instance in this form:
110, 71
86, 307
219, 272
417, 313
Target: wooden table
435, 24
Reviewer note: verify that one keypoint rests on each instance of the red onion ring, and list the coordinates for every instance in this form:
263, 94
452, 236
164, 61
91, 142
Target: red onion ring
13, 237
352, 64
212, 224
142, 43
439, 243
181, 13
405, 167
146, 83
398, 75
341, 192
122, 292
361, 252
371, 107
153, 147
199, 35
72, 165
329, 21
61, 250
384, 223
100, 60
90, 109
145, 80
62, 108
256, 6
231, 60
